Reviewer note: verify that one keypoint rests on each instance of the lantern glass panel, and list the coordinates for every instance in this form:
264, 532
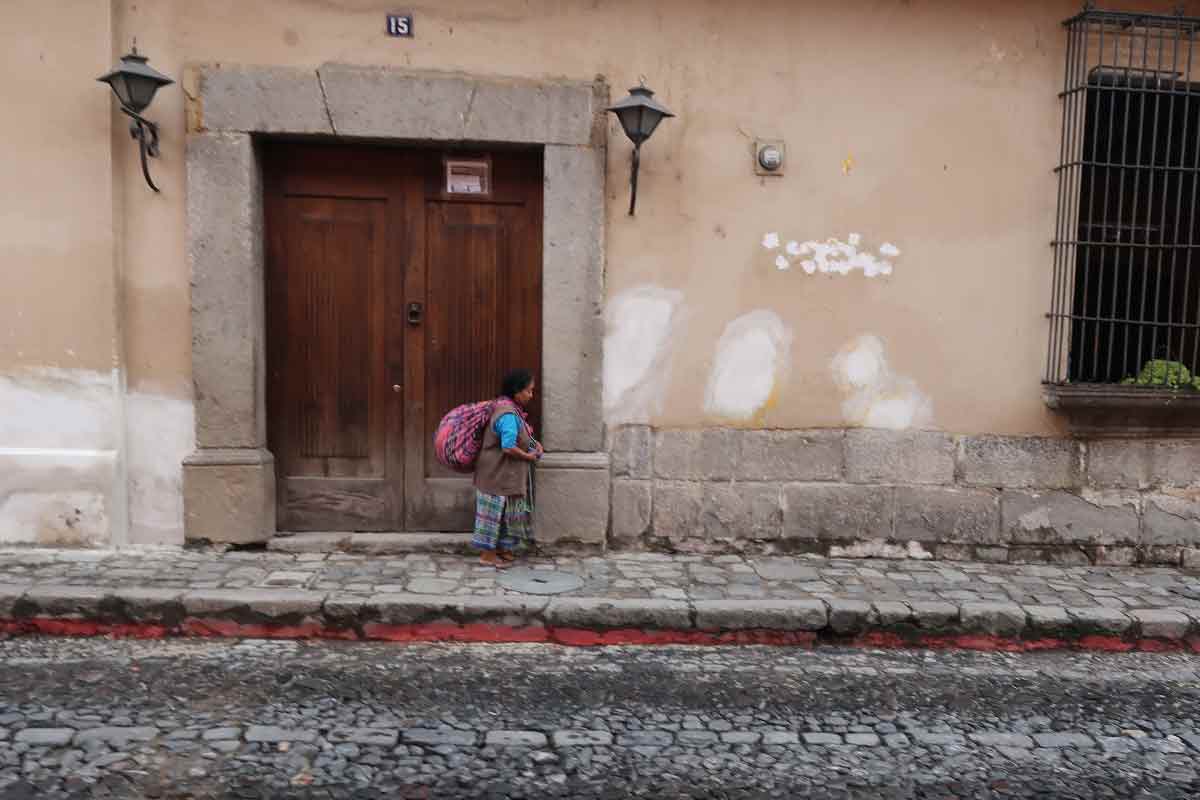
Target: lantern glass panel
649, 121
141, 91
628, 118
120, 87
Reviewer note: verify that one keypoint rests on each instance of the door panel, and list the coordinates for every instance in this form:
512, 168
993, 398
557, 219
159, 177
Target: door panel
461, 347
330, 405
481, 287
331, 309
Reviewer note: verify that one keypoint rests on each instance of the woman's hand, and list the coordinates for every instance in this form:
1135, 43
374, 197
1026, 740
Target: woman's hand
517, 452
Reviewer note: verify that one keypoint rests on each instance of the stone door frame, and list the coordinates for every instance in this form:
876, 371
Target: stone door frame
229, 481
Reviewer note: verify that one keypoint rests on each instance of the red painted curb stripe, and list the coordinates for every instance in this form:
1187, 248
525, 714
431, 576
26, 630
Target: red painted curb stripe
574, 637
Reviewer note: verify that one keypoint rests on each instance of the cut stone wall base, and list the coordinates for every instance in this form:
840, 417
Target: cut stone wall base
572, 499
229, 496
907, 494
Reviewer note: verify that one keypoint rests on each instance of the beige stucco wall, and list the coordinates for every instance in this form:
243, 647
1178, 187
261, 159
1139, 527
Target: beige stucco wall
60, 443
95, 328
930, 125
56, 221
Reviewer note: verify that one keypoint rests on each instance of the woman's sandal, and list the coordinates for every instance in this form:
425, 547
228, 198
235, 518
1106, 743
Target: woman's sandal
495, 561
507, 556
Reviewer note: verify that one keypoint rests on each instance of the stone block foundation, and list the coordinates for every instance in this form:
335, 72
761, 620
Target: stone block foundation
907, 494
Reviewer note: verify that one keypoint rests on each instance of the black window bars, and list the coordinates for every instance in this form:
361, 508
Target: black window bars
1125, 298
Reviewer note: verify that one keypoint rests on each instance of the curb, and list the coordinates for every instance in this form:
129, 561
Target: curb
146, 612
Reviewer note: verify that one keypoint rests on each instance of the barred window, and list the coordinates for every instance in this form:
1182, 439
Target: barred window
1125, 297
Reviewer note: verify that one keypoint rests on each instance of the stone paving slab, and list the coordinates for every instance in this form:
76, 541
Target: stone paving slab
362, 595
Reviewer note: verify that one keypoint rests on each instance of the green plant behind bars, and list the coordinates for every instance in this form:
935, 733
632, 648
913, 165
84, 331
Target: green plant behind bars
1168, 374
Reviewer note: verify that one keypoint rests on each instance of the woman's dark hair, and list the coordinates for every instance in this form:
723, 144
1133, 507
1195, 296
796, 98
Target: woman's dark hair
515, 382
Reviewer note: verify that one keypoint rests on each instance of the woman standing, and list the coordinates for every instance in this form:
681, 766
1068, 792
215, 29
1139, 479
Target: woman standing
503, 475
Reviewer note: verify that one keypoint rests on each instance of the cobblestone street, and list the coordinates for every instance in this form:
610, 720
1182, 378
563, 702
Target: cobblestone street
184, 719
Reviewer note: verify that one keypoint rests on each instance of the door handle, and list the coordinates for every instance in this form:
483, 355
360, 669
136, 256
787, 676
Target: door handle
415, 312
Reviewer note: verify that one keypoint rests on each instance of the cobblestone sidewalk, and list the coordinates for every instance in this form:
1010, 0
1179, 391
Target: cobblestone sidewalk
372, 596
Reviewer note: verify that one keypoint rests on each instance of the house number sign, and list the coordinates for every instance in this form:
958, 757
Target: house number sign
400, 25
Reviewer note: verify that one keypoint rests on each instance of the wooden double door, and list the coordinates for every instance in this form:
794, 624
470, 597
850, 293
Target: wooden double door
400, 283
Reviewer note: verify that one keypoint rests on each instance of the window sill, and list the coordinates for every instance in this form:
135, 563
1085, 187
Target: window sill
1116, 411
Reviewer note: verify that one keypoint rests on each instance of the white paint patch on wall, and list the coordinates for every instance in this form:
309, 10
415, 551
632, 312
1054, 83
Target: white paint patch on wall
58, 456
56, 497
834, 257
48, 407
161, 435
59, 451
751, 359
54, 518
876, 398
640, 324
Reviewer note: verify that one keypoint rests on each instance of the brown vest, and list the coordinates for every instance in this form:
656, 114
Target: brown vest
495, 471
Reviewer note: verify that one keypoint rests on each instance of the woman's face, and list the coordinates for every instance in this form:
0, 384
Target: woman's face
525, 396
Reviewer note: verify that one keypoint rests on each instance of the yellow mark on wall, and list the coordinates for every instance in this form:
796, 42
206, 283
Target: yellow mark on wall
193, 103
760, 418
847, 164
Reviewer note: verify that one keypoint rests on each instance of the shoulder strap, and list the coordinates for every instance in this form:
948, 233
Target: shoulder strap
504, 405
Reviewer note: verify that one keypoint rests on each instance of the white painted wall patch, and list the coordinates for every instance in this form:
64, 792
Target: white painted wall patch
751, 361
834, 257
60, 445
875, 397
161, 435
64, 408
640, 324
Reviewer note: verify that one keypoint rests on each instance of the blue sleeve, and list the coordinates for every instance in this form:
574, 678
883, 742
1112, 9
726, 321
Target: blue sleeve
507, 429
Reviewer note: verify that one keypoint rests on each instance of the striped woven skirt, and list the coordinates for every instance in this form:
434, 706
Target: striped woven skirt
502, 523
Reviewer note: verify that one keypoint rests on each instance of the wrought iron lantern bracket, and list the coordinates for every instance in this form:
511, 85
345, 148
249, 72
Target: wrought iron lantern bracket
134, 83
146, 133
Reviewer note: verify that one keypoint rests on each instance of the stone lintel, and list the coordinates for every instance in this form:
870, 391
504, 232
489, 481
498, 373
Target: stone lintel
389, 103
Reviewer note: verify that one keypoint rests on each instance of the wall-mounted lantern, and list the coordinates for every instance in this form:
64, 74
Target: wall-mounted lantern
639, 114
134, 82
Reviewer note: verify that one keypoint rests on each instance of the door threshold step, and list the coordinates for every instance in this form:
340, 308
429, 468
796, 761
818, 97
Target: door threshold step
372, 543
